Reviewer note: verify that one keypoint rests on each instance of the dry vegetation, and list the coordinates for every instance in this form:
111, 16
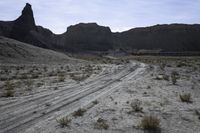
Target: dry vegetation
166, 82
65, 121
101, 124
80, 112
19, 80
135, 106
186, 98
169, 72
151, 124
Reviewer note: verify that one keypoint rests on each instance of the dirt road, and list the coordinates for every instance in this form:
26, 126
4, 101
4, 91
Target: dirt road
21, 113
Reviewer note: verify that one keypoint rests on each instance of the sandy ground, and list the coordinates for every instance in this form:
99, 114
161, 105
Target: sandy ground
104, 91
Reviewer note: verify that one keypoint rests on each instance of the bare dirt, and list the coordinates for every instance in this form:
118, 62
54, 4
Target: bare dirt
44, 94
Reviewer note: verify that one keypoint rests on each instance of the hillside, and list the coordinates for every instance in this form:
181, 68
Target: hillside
12, 51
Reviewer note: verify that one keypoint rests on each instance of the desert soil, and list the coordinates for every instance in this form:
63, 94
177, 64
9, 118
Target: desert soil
34, 97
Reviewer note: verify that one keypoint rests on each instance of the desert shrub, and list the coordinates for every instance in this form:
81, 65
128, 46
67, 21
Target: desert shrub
6, 71
35, 76
65, 121
95, 102
197, 113
162, 66
136, 106
9, 93
3, 78
45, 69
79, 112
23, 76
61, 77
174, 80
186, 98
101, 124
175, 73
78, 78
39, 84
148, 87
181, 64
9, 89
174, 77
151, 124
168, 65
47, 104
166, 77
51, 74
29, 83
158, 78
195, 68
8, 85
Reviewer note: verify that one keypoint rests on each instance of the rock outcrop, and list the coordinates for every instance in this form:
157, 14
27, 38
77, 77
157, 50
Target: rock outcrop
25, 30
173, 38
89, 37
24, 24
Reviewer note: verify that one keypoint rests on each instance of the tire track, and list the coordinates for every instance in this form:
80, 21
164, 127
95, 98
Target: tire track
22, 121
40, 96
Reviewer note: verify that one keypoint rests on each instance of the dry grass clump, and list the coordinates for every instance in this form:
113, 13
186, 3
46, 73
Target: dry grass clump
52, 73
65, 121
35, 76
166, 77
24, 76
151, 124
9, 89
61, 77
9, 85
136, 106
79, 112
162, 66
9, 93
79, 78
45, 68
29, 82
101, 124
181, 64
40, 84
95, 102
186, 98
158, 78
174, 77
197, 113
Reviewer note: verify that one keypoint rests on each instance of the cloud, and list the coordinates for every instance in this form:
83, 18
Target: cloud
119, 15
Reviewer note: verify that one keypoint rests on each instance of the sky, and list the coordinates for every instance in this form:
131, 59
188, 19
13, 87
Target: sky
119, 15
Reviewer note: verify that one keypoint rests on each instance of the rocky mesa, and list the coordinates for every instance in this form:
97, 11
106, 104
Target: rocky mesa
90, 37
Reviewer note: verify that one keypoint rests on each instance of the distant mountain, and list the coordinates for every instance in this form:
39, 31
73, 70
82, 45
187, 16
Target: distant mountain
88, 37
92, 37
173, 38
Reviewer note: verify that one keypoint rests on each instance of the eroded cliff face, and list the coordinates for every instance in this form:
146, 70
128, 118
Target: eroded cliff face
174, 37
81, 37
86, 37
24, 24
